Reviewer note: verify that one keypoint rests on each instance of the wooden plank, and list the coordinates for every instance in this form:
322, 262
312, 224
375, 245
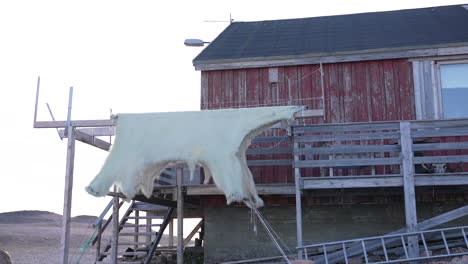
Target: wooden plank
115, 229
75, 123
93, 141
352, 182
346, 162
336, 137
265, 151
442, 132
262, 189
270, 139
437, 180
364, 55
420, 124
192, 233
180, 216
409, 187
440, 146
346, 127
297, 189
441, 159
170, 241
278, 162
341, 149
309, 113
67, 200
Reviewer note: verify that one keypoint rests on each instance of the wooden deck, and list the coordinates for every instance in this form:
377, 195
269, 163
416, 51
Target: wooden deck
358, 155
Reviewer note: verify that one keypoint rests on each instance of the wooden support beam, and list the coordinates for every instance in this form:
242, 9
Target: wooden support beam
180, 216
297, 177
406, 142
76, 123
194, 231
115, 230
67, 201
170, 241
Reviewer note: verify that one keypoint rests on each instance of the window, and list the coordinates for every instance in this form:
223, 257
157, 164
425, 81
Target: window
440, 88
454, 89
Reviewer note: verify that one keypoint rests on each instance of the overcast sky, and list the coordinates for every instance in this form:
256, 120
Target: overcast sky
122, 55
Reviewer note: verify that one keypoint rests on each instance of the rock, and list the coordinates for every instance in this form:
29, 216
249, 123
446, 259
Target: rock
5, 257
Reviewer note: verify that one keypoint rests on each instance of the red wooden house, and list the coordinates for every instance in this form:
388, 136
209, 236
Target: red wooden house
358, 70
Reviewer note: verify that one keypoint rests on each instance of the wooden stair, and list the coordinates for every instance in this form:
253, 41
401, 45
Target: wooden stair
146, 233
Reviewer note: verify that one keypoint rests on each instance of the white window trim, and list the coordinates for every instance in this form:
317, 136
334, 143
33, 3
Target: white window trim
438, 83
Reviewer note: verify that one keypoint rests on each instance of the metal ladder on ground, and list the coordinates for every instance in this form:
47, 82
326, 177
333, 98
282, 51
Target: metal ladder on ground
394, 248
137, 238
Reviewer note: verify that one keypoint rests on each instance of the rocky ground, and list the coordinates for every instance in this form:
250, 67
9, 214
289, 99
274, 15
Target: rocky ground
34, 237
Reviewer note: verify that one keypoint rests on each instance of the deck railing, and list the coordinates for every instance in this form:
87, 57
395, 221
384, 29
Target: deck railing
361, 151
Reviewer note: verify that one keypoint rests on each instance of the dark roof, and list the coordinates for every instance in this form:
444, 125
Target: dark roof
293, 38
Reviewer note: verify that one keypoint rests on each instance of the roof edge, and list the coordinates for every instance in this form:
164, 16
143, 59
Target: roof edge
315, 58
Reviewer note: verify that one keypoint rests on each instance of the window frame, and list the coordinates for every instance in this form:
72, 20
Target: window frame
438, 84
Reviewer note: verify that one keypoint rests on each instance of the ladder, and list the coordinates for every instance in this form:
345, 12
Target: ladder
139, 233
394, 248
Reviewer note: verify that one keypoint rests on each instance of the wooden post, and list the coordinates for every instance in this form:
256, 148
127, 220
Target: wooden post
170, 242
115, 230
67, 201
297, 176
409, 189
180, 216
136, 229
148, 227
98, 241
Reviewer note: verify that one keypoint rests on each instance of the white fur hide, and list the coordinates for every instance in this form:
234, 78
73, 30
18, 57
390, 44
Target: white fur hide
146, 144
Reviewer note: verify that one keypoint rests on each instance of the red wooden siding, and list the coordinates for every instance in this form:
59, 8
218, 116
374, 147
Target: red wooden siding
353, 92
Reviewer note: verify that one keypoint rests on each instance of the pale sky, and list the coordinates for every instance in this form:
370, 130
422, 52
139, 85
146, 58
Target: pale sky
122, 55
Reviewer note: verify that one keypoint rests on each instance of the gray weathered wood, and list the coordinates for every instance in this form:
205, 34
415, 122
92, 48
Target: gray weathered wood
37, 98
180, 216
270, 139
93, 141
170, 241
346, 127
440, 146
298, 187
341, 149
194, 231
136, 229
115, 230
148, 225
277, 162
355, 136
442, 132
409, 186
67, 201
381, 181
346, 162
264, 151
75, 123
439, 123
441, 159
351, 182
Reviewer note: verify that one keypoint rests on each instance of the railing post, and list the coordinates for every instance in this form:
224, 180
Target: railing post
98, 241
297, 177
409, 189
180, 216
115, 230
136, 229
